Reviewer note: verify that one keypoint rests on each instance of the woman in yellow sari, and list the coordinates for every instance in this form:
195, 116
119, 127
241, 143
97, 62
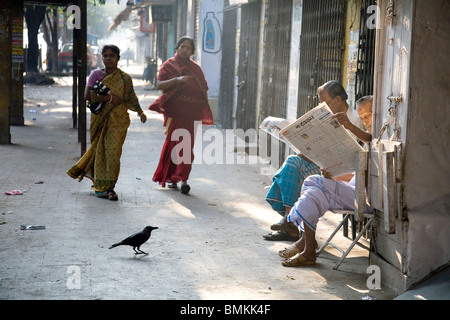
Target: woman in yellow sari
108, 128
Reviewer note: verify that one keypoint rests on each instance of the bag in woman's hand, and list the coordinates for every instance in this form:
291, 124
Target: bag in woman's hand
101, 90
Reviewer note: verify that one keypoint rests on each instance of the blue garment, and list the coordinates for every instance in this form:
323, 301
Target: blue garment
287, 182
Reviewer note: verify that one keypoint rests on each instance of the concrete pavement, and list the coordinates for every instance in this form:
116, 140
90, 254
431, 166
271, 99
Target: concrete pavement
209, 243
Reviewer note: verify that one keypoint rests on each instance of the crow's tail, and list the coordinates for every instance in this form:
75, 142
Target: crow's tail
115, 245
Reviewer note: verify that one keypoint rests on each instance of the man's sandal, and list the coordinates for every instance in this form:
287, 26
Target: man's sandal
276, 226
289, 251
292, 250
297, 261
280, 236
279, 225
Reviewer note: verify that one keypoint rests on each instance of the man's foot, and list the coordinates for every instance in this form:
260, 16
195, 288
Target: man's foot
298, 261
280, 236
289, 227
294, 248
286, 228
289, 251
278, 226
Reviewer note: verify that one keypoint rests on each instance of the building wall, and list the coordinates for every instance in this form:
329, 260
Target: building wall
426, 174
351, 50
209, 48
412, 237
294, 63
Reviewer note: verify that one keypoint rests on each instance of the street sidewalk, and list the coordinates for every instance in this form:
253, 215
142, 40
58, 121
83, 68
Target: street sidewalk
209, 243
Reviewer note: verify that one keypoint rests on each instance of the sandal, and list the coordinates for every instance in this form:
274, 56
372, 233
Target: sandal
292, 250
14, 192
297, 261
275, 227
278, 226
185, 188
289, 252
280, 236
288, 226
172, 185
112, 195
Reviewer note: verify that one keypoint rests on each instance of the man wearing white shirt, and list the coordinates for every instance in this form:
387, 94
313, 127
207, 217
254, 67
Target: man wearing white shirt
287, 182
324, 192
335, 97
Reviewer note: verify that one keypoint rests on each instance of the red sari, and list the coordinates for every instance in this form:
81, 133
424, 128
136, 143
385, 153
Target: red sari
184, 103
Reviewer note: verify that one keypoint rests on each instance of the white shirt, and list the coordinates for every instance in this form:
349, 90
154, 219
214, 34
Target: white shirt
354, 118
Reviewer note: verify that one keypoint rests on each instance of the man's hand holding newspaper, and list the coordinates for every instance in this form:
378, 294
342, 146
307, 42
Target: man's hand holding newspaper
319, 136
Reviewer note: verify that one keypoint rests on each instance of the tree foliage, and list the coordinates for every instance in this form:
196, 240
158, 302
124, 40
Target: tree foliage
35, 15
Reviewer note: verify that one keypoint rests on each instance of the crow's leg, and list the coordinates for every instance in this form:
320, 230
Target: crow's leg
140, 251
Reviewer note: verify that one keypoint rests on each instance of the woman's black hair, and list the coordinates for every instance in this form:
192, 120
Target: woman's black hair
111, 47
183, 39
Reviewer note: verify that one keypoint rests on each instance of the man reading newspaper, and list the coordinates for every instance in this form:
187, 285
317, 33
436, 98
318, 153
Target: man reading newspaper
288, 180
320, 194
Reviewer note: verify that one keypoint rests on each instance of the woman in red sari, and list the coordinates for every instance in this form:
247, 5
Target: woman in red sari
184, 102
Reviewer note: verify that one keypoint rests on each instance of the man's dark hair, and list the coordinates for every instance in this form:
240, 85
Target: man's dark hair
363, 99
334, 89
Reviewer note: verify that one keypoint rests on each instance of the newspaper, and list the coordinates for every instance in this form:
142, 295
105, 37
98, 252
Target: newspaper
321, 138
273, 126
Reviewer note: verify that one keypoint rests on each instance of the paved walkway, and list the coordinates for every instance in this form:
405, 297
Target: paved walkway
209, 243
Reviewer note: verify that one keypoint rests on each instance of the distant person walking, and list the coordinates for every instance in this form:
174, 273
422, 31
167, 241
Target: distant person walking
183, 102
108, 128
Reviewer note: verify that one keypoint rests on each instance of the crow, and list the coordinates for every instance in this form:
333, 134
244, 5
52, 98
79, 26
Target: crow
136, 240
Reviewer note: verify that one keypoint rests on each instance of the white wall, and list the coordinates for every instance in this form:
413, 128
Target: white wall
427, 174
294, 62
410, 63
209, 51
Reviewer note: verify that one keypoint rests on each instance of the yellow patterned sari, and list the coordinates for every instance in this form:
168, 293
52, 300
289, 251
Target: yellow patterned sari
108, 130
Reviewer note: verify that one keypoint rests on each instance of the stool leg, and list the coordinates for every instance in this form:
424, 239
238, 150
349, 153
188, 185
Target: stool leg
353, 243
333, 234
345, 230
